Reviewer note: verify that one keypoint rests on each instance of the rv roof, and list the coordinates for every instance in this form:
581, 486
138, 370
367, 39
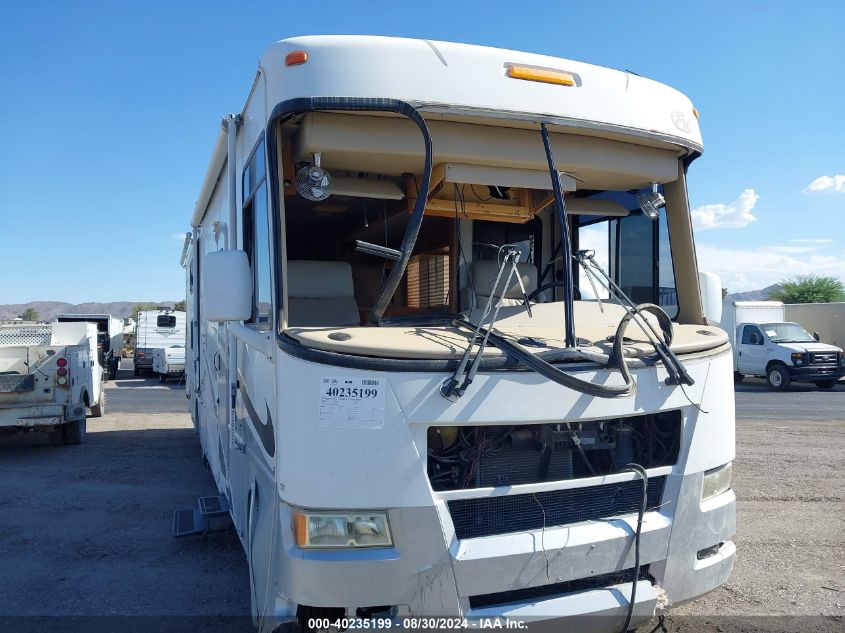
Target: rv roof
466, 80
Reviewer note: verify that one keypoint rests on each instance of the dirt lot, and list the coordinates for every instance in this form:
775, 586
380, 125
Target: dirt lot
85, 531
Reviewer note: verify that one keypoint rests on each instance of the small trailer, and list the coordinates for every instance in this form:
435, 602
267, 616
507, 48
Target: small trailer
169, 362
109, 339
156, 329
49, 376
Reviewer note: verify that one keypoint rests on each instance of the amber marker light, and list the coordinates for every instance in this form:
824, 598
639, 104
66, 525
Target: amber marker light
295, 58
557, 77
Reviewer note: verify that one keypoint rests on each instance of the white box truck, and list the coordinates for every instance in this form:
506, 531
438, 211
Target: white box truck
49, 376
109, 338
766, 344
156, 329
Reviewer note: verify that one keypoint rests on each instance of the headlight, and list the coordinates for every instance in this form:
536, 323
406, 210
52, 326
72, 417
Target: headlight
340, 529
716, 481
797, 358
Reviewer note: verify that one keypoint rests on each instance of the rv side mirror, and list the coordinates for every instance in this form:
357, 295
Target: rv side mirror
816, 336
226, 286
711, 297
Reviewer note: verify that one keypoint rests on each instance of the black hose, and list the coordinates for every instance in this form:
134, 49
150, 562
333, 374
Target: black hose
361, 104
547, 370
636, 468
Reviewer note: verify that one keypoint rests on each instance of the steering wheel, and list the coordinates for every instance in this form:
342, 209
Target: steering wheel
548, 286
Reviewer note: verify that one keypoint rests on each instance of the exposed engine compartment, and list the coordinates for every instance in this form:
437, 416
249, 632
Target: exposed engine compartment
462, 457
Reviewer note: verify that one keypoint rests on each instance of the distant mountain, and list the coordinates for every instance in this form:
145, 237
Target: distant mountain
753, 295
47, 310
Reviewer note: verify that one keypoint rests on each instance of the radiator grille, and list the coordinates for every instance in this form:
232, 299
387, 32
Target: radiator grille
488, 516
557, 589
823, 358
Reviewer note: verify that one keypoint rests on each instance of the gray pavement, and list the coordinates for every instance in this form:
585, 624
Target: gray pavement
86, 530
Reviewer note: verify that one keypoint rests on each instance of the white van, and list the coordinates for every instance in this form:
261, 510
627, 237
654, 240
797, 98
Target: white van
409, 407
765, 344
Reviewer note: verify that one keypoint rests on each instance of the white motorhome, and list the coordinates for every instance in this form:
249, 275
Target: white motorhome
408, 402
49, 376
766, 344
156, 329
109, 338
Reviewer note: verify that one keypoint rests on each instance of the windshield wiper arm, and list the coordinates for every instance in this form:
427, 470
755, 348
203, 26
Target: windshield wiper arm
455, 386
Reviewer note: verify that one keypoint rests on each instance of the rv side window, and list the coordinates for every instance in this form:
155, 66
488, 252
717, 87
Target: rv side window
166, 320
256, 236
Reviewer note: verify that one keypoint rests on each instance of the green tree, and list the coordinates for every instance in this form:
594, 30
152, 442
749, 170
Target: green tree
140, 307
30, 314
180, 306
809, 289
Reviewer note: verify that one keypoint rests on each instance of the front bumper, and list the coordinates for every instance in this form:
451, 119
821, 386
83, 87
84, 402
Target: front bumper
430, 572
810, 373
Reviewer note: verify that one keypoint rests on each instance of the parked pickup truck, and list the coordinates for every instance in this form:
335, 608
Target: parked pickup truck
765, 344
49, 377
169, 362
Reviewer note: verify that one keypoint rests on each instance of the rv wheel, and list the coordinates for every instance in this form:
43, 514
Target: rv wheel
99, 409
162, 378
74, 432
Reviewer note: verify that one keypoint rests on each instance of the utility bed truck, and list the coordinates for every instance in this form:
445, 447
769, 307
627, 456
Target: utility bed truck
408, 403
49, 376
109, 338
765, 344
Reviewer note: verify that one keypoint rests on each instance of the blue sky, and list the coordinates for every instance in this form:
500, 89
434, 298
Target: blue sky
110, 111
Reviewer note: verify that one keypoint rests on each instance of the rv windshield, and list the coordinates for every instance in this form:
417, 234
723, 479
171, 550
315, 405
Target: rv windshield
787, 333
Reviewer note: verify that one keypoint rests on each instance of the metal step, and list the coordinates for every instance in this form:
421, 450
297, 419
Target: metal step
213, 507
189, 522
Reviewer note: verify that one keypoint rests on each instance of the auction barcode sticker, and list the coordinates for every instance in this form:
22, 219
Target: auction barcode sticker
354, 403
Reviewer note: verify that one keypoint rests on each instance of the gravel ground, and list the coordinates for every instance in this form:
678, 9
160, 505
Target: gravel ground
85, 531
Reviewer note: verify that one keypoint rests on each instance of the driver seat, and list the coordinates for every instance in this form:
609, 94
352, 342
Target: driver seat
484, 273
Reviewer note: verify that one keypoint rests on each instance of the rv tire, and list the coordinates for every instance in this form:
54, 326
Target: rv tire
137, 371
162, 378
74, 432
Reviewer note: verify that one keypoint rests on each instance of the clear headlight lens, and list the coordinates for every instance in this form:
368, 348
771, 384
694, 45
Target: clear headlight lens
717, 481
339, 529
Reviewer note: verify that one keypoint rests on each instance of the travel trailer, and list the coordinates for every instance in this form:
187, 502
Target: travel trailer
426, 361
109, 338
49, 377
169, 362
766, 344
156, 329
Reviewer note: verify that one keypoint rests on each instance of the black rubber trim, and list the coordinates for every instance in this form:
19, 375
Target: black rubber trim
358, 104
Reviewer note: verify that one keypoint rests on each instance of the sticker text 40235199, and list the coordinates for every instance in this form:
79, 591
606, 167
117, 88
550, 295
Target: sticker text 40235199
352, 402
